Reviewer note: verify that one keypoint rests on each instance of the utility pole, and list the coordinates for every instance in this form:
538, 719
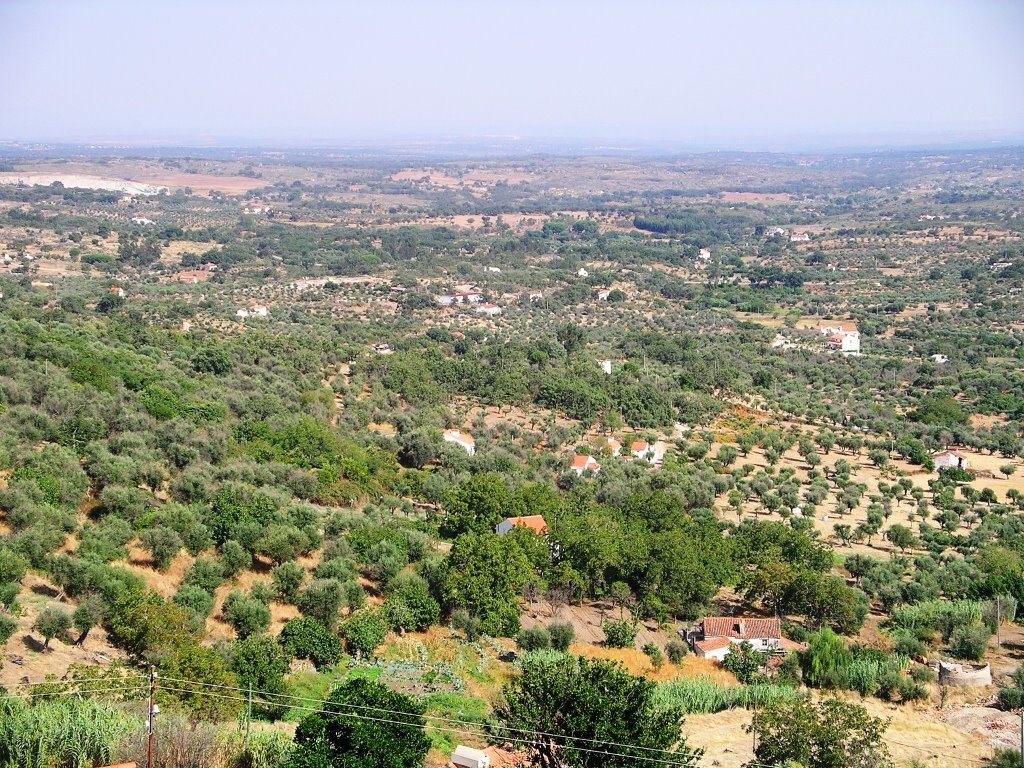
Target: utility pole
248, 714
1022, 739
152, 712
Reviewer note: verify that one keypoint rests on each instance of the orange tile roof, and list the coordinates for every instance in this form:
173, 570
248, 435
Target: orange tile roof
712, 644
580, 461
535, 523
740, 628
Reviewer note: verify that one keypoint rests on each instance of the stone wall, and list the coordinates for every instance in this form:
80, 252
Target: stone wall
968, 675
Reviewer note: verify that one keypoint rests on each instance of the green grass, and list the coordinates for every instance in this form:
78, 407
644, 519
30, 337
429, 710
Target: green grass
311, 687
457, 706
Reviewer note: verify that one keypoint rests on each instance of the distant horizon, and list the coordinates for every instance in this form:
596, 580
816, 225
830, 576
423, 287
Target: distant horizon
701, 76
468, 144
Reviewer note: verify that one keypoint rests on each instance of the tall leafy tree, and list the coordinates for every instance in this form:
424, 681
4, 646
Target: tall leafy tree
830, 734
344, 735
591, 704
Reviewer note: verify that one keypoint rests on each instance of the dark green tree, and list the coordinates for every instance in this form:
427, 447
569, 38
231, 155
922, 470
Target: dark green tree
830, 734
348, 738
590, 699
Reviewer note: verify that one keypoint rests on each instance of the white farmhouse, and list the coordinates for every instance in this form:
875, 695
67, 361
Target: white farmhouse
717, 635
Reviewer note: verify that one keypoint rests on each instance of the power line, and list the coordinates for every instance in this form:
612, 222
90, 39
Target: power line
509, 729
71, 693
417, 726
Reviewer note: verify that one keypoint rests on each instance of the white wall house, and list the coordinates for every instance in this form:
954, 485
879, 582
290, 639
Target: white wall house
949, 459
717, 635
581, 464
461, 439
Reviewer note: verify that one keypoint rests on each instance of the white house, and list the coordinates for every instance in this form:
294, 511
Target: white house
603, 294
803, 237
581, 272
581, 464
641, 449
940, 359
773, 231
606, 366
494, 269
460, 439
947, 459
491, 310
118, 290
717, 634
259, 309
382, 349
534, 295
142, 220
243, 313
468, 757
847, 343
614, 446
535, 523
704, 254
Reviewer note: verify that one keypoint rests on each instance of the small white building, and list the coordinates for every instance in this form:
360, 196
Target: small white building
117, 290
803, 237
582, 463
704, 254
260, 310
603, 294
461, 439
940, 359
534, 295
641, 449
142, 220
467, 757
494, 269
242, 313
491, 310
606, 366
382, 349
949, 459
582, 272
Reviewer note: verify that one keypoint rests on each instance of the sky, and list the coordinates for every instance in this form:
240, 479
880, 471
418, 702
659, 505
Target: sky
719, 74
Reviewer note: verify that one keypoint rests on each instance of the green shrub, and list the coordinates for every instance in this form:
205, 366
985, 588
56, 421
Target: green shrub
922, 674
1011, 699
467, 623
912, 691
533, 639
234, 558
562, 635
619, 633
654, 653
287, 578
307, 638
364, 631
676, 650
969, 643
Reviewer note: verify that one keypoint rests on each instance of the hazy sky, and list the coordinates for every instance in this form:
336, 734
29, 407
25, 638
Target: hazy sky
718, 73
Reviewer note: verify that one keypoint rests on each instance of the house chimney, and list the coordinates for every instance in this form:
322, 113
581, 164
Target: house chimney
740, 626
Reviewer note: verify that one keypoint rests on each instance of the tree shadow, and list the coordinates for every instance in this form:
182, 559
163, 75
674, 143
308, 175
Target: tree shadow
33, 644
45, 590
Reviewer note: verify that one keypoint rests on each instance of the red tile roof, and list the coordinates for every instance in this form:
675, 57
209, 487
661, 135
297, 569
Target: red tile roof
741, 628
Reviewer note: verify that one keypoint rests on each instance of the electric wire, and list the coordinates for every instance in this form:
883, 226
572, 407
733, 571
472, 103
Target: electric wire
508, 729
358, 716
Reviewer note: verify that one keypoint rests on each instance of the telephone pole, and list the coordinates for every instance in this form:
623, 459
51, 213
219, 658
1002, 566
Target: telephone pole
152, 712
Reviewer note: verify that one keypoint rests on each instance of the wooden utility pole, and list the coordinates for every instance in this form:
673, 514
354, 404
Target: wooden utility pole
149, 722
